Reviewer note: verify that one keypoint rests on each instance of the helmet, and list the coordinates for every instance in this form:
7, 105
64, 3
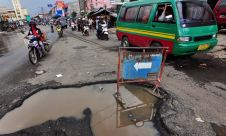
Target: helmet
32, 23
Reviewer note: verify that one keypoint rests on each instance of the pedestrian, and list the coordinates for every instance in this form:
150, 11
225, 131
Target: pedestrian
97, 22
79, 24
90, 23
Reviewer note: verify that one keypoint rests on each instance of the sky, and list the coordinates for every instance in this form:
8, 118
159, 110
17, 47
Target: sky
34, 6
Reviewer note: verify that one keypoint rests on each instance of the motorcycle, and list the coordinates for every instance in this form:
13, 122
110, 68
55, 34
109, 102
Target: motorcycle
22, 30
85, 30
35, 50
52, 30
102, 32
59, 31
73, 27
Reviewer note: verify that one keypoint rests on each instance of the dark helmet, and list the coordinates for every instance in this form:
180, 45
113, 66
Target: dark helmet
32, 23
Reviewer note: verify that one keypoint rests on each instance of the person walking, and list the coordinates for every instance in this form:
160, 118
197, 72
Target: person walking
90, 24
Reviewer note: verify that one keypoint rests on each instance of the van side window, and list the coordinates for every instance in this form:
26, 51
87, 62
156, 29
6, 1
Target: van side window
164, 14
131, 14
144, 14
122, 14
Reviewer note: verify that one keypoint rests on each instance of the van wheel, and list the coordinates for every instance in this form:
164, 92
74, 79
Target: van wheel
156, 45
125, 42
219, 27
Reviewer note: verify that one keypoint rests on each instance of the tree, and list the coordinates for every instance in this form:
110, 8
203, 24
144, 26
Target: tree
73, 14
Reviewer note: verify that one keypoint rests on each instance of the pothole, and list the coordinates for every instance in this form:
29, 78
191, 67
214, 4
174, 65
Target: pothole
219, 130
71, 102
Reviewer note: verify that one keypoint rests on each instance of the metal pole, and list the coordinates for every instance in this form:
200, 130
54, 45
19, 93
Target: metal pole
119, 70
42, 10
105, 6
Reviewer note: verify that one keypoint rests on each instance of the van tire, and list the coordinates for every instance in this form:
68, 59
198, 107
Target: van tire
158, 45
219, 27
125, 42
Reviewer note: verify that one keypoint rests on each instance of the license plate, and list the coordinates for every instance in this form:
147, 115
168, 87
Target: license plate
203, 47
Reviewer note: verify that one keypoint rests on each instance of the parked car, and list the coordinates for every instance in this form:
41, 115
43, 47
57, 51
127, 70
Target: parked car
219, 9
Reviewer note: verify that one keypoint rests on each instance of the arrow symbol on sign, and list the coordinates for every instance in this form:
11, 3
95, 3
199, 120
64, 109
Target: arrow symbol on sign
143, 65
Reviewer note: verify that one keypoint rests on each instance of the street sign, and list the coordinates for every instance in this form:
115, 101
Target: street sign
140, 65
28, 18
50, 5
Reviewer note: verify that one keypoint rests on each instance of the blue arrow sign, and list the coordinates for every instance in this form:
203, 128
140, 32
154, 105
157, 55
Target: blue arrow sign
132, 69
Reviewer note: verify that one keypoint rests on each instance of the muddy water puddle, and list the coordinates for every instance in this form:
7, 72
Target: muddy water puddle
53, 104
220, 130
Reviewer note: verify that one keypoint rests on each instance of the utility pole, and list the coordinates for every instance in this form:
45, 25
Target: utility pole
42, 10
105, 7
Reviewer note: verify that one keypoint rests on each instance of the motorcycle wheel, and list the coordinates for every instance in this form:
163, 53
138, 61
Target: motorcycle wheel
60, 34
86, 33
106, 37
33, 56
98, 36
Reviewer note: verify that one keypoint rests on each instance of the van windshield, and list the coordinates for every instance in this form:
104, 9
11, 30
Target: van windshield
195, 14
223, 3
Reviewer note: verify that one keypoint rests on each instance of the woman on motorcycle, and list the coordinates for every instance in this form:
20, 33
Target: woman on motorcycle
59, 28
37, 33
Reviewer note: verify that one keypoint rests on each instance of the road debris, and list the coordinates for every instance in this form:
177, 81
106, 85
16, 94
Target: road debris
39, 72
199, 120
59, 75
101, 89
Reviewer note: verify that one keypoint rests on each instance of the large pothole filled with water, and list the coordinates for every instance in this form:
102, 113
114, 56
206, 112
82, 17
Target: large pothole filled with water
38, 112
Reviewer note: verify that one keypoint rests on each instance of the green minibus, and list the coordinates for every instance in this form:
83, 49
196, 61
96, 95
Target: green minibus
184, 26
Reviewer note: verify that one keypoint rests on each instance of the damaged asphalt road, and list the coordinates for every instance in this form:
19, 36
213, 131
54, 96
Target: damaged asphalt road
61, 127
195, 86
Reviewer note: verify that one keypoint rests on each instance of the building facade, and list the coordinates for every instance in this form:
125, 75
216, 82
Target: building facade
3, 12
92, 5
118, 2
18, 9
24, 12
73, 6
11, 15
7, 15
60, 8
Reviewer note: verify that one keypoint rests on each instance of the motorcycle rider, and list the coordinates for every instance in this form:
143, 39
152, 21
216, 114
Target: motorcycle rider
34, 30
84, 23
51, 26
99, 28
58, 25
73, 25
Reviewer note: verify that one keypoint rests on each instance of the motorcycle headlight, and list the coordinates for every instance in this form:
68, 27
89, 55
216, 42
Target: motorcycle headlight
35, 42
